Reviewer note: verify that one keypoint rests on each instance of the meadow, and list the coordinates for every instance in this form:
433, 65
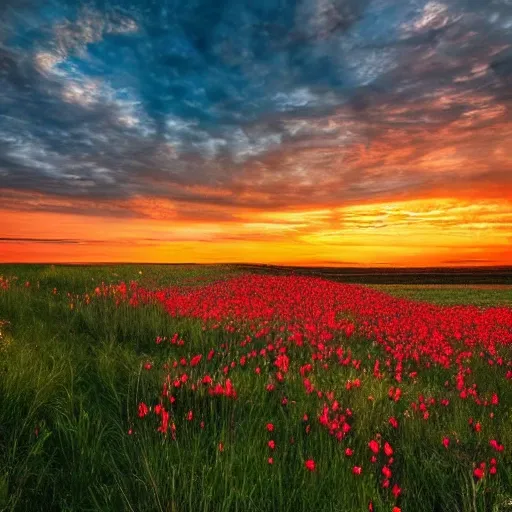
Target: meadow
216, 388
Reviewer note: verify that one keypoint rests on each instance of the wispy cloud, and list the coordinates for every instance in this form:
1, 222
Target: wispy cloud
224, 104
38, 240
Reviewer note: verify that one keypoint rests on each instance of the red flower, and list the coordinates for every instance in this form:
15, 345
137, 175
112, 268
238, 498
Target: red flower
310, 465
195, 360
282, 362
393, 422
349, 452
397, 509
396, 491
388, 450
374, 446
357, 470
271, 444
143, 410
270, 460
495, 445
164, 425
479, 473
446, 442
270, 427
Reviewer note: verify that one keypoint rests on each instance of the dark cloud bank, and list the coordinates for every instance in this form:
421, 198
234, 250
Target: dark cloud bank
276, 103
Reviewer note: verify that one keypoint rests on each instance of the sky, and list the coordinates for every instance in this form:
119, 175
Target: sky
308, 132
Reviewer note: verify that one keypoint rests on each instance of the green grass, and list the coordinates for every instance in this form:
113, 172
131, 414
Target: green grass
71, 379
82, 278
478, 295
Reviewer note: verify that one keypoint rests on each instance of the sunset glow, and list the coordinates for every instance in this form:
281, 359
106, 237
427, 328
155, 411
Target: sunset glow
322, 133
415, 232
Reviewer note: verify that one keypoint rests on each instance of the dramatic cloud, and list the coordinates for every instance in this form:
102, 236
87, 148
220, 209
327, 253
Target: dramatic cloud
208, 110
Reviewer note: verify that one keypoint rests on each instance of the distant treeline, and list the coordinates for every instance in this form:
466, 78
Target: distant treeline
442, 275
501, 275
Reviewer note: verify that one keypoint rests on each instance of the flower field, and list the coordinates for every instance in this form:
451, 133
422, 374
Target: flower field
234, 391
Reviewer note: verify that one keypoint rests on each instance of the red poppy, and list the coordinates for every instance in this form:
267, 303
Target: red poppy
479, 473
310, 464
393, 422
374, 446
143, 410
195, 360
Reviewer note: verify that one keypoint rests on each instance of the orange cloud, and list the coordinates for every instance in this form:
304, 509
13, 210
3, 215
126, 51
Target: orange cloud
422, 232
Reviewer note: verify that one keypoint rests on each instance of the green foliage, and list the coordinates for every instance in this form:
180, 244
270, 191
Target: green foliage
71, 379
478, 295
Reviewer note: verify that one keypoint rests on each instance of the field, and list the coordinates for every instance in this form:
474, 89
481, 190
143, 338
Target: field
227, 388
477, 295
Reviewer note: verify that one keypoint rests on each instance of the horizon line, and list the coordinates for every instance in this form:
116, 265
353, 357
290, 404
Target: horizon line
281, 265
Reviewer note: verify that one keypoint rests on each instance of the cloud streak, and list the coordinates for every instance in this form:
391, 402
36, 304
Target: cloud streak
132, 99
